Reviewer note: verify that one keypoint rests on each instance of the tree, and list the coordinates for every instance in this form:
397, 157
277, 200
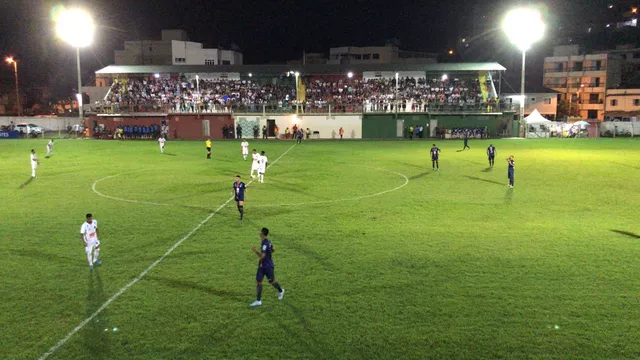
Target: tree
565, 108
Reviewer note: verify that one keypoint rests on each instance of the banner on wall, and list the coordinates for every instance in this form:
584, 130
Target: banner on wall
9, 134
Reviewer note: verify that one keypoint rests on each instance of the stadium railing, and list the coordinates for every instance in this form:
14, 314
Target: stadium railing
280, 108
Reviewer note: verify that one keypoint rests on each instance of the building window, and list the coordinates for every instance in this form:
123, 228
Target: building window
226, 62
577, 66
614, 102
533, 99
209, 62
376, 56
547, 101
636, 102
181, 60
366, 57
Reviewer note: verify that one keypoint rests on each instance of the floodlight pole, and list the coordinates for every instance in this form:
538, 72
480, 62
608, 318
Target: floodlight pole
80, 112
522, 98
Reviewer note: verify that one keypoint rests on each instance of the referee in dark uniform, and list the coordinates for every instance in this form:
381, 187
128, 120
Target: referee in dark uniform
511, 171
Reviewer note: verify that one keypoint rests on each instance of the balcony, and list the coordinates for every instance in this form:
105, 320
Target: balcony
588, 68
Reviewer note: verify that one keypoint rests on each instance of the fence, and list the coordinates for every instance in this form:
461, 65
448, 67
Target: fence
620, 128
46, 123
286, 108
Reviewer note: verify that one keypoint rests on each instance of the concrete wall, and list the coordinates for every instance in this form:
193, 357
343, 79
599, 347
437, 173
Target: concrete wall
327, 126
47, 123
627, 100
187, 127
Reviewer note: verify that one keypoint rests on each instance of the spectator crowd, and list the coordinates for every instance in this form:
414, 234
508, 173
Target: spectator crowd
343, 95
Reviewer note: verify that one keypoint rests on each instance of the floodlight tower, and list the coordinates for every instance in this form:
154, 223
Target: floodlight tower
523, 27
76, 27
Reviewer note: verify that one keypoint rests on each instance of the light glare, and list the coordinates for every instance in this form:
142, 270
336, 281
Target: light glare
523, 27
76, 27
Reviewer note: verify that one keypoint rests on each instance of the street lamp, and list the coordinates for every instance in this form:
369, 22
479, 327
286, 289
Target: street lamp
10, 61
76, 27
297, 75
523, 28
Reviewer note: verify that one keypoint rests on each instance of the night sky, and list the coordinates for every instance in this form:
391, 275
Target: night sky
268, 31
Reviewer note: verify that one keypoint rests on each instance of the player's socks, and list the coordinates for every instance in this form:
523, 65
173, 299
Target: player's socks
277, 286
259, 292
241, 209
96, 252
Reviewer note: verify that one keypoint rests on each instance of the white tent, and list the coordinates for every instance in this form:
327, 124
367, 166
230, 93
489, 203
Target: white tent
536, 119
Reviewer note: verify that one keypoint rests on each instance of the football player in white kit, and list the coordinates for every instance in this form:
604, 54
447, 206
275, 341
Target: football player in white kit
89, 236
161, 141
245, 149
49, 148
262, 166
34, 163
254, 164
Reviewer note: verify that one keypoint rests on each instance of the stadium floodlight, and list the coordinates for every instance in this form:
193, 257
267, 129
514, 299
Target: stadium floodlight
156, 75
12, 61
523, 27
349, 74
297, 74
444, 77
76, 27
250, 74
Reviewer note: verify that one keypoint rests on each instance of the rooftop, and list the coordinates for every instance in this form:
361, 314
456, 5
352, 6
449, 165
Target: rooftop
303, 69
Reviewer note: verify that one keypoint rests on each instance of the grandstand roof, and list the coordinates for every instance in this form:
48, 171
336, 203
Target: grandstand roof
314, 68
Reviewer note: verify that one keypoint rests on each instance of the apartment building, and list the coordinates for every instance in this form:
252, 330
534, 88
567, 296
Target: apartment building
583, 79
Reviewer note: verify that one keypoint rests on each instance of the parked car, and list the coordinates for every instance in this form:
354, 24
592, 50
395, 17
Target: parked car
31, 129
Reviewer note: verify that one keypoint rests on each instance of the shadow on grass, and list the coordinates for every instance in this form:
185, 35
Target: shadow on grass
297, 190
308, 337
39, 256
307, 251
26, 183
415, 177
412, 165
170, 154
489, 169
189, 285
94, 337
627, 165
484, 180
508, 196
627, 233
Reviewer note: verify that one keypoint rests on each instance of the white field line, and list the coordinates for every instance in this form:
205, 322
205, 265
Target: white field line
142, 274
406, 181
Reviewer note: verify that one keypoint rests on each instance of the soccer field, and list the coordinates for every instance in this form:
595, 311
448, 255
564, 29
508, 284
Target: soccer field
380, 256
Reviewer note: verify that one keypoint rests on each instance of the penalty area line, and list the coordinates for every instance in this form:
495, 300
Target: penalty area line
113, 298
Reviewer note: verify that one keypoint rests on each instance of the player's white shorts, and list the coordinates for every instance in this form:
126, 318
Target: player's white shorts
91, 245
254, 167
245, 152
261, 169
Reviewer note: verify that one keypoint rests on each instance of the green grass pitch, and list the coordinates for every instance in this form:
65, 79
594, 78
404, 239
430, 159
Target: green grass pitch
447, 265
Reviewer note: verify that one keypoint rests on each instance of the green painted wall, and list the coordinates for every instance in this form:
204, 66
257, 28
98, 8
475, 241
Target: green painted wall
383, 126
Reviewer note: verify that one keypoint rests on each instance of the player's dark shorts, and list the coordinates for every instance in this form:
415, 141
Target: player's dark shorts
268, 272
491, 157
434, 158
239, 198
209, 149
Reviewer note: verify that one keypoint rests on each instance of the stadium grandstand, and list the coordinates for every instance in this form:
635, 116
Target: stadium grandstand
363, 88
463, 89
